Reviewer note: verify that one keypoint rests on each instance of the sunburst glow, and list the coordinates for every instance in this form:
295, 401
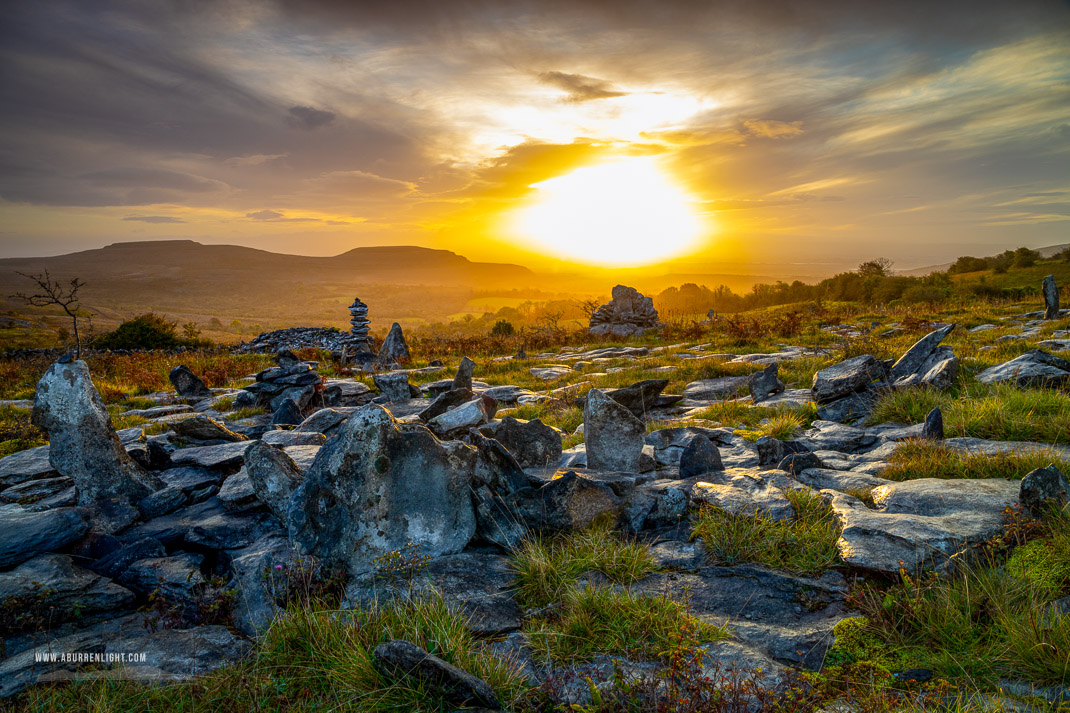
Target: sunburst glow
623, 212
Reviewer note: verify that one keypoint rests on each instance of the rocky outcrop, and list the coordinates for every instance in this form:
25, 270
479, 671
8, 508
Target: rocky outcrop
292, 380
376, 487
614, 436
627, 314
83, 445
1034, 368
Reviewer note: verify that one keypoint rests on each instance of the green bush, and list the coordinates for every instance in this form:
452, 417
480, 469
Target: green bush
502, 328
146, 331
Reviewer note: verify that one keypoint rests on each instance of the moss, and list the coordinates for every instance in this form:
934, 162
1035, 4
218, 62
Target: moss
857, 642
1043, 563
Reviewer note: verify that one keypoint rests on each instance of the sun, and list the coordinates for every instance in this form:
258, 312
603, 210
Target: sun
622, 212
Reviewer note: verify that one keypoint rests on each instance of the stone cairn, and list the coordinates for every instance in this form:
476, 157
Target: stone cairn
359, 339
628, 314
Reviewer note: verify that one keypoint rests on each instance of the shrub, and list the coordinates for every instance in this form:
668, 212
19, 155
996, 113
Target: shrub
146, 331
502, 328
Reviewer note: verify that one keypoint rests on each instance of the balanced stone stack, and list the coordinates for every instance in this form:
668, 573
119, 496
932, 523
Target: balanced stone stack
359, 338
628, 314
292, 380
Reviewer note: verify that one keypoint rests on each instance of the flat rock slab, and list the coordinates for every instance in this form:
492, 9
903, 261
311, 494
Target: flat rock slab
785, 616
29, 464
24, 534
67, 588
220, 456
920, 524
706, 392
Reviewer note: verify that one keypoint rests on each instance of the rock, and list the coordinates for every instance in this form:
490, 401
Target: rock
1034, 368
463, 378
68, 591
374, 488
237, 492
82, 443
550, 373
224, 530
188, 384
30, 464
772, 451
922, 524
796, 463
700, 456
399, 659
765, 383
627, 314
394, 385
568, 503
444, 402
911, 362
740, 493
532, 443
35, 490
849, 409
324, 421
1051, 297
190, 478
273, 475
845, 378
177, 578
394, 350
294, 438
358, 339
26, 534
114, 563
260, 574
942, 374
202, 427
469, 415
1042, 488
639, 397
933, 430
614, 436
707, 391
287, 414
162, 502
222, 456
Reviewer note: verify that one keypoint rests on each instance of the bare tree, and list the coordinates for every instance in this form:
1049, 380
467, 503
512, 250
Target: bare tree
589, 307
53, 292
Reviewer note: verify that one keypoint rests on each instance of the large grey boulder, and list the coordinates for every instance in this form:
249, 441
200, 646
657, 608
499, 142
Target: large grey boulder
1034, 368
613, 435
394, 385
920, 524
26, 534
375, 488
568, 503
394, 350
1050, 290
274, 476
532, 443
83, 444
847, 377
188, 384
911, 362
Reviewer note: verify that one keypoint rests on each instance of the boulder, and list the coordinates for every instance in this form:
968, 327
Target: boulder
375, 488
163, 501
82, 443
845, 378
237, 492
399, 659
614, 436
34, 490
26, 534
1034, 368
849, 409
468, 415
700, 457
765, 383
394, 385
178, 578
912, 361
188, 384
444, 402
532, 443
287, 414
30, 464
568, 503
273, 475
294, 438
394, 350
202, 427
743, 494
796, 463
260, 574
639, 397
1042, 488
1050, 290
463, 378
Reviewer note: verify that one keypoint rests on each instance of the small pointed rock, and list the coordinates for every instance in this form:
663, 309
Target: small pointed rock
700, 456
933, 429
463, 378
1051, 297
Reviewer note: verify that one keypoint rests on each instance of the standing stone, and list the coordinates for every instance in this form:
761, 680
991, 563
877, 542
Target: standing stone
375, 488
274, 476
1041, 486
700, 456
614, 436
911, 362
1051, 297
766, 383
933, 429
394, 349
83, 444
463, 378
188, 384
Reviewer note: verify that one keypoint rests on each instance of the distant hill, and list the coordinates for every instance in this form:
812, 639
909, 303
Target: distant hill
929, 269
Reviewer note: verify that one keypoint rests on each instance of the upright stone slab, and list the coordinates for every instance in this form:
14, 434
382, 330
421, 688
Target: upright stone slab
83, 443
374, 488
463, 378
614, 436
1051, 297
188, 384
915, 357
394, 349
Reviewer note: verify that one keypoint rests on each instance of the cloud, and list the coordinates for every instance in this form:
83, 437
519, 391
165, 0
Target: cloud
154, 219
772, 129
142, 178
308, 118
580, 88
264, 215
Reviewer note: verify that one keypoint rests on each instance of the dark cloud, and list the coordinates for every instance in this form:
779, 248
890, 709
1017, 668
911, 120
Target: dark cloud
264, 215
308, 118
152, 178
579, 87
153, 219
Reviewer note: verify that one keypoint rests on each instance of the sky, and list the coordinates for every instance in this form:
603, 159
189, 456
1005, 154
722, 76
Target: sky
790, 133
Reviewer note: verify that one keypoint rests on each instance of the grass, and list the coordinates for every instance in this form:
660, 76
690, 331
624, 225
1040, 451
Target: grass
310, 660
246, 412
547, 568
998, 412
763, 420
932, 459
782, 425
16, 431
805, 544
595, 620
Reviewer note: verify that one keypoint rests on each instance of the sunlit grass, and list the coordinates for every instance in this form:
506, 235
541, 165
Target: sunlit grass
932, 459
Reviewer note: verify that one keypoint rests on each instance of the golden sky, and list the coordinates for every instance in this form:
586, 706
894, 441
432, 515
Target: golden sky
623, 132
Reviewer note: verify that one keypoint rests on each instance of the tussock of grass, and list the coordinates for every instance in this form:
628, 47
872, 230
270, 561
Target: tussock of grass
782, 425
246, 412
806, 544
931, 459
547, 568
16, 431
998, 412
311, 660
592, 621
